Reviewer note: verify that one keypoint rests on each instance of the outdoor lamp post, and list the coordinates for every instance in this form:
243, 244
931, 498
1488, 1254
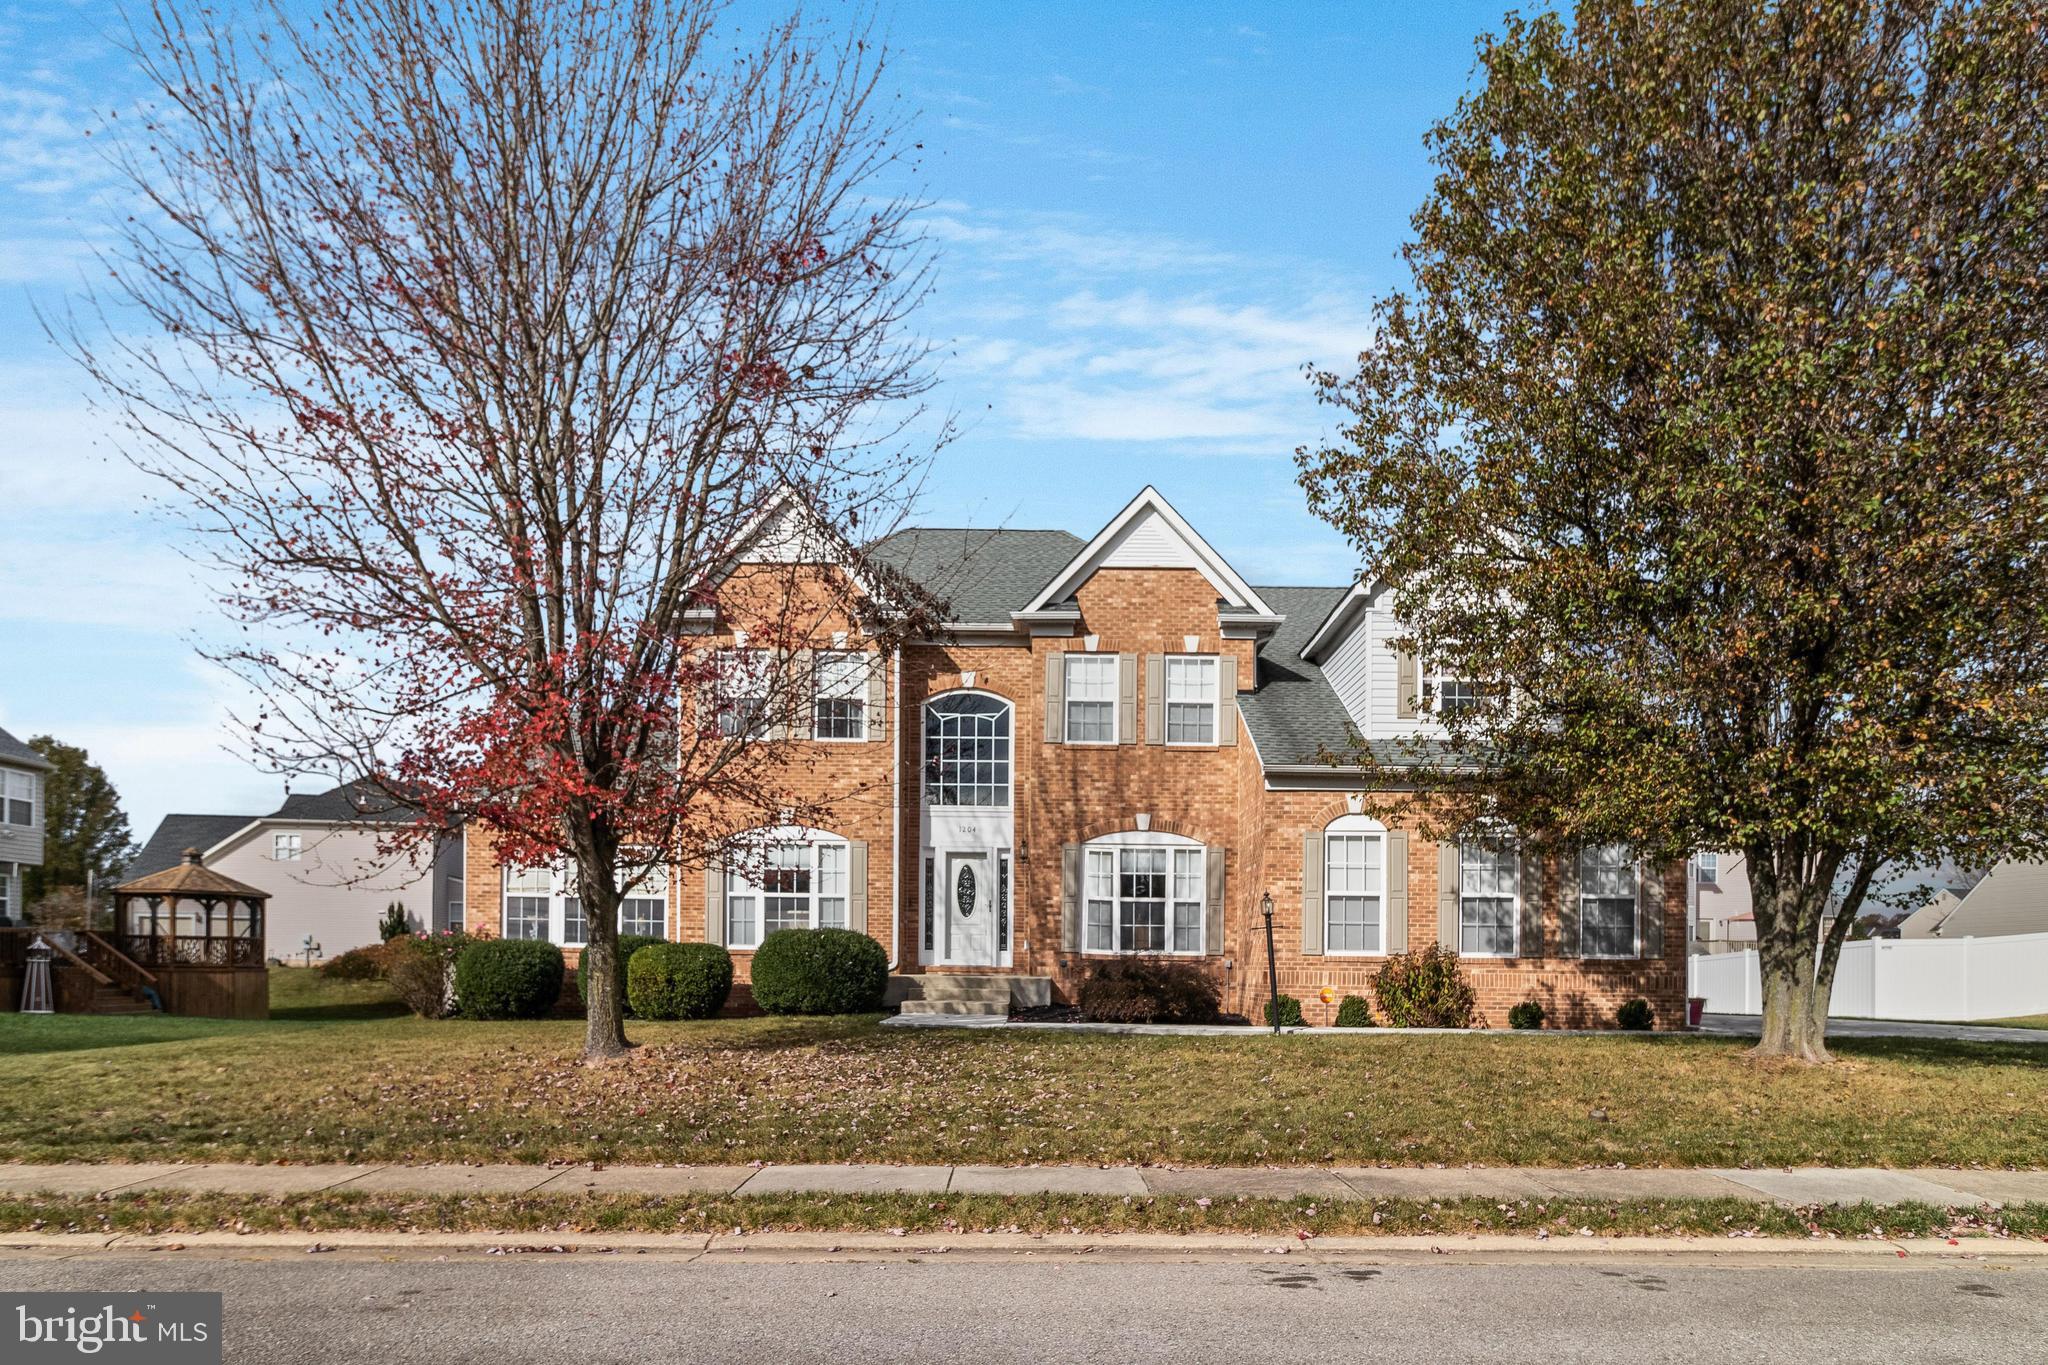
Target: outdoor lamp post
1272, 972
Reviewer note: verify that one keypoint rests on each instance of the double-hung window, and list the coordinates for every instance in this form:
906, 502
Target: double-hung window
840, 683
528, 892
1607, 901
786, 884
1091, 698
1143, 899
1489, 897
1456, 696
1707, 868
1354, 892
645, 909
1190, 699
741, 689
20, 791
287, 848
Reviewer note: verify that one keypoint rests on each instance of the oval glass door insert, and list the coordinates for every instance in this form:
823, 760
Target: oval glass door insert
963, 890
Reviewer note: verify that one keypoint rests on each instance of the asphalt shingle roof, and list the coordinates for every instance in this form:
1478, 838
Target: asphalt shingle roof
982, 575
176, 833
1295, 713
14, 751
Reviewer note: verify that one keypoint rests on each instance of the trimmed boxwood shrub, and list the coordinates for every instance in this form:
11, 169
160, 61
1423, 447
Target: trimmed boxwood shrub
508, 978
1148, 990
1425, 990
1354, 1011
1636, 1015
1290, 1012
678, 980
1528, 1014
629, 944
819, 971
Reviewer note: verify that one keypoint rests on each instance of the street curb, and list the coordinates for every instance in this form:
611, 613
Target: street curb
810, 1246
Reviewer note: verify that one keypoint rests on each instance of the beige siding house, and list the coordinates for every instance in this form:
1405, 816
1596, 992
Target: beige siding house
21, 820
318, 858
2012, 899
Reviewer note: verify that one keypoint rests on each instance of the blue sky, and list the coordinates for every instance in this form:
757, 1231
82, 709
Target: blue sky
1150, 218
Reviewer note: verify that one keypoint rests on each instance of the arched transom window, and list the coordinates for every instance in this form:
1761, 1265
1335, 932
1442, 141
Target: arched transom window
967, 750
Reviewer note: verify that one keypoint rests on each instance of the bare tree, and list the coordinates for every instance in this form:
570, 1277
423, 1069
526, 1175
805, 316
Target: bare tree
483, 337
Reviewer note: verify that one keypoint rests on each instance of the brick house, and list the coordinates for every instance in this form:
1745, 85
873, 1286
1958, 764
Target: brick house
1117, 750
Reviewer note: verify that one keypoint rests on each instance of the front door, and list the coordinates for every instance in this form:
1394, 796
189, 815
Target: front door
970, 899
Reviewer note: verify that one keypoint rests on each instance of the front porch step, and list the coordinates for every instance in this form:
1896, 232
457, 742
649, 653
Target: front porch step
995, 1008
999, 991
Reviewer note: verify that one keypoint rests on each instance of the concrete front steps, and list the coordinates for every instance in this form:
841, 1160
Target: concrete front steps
975, 993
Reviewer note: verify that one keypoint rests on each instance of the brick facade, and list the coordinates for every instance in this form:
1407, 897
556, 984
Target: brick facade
1065, 794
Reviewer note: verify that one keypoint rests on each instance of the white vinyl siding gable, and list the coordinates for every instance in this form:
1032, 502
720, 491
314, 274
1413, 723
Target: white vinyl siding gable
1363, 669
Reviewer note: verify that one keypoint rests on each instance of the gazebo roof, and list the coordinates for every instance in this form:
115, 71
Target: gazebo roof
193, 879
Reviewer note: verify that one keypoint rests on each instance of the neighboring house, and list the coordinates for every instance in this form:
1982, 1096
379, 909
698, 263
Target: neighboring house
1723, 918
1118, 749
2011, 899
21, 820
317, 857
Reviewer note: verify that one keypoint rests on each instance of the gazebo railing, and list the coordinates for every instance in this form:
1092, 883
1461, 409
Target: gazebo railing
191, 950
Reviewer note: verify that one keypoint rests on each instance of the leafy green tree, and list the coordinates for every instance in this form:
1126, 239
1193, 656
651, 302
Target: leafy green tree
1709, 441
84, 828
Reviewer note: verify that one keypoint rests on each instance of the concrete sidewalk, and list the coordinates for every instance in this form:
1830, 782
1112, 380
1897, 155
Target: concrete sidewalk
1807, 1185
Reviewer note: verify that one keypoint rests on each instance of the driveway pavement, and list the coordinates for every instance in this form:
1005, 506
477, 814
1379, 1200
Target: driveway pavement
1751, 1025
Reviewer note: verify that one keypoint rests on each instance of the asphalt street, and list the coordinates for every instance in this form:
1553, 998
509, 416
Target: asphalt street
397, 1308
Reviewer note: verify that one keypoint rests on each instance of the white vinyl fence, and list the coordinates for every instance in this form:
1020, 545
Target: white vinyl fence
1948, 980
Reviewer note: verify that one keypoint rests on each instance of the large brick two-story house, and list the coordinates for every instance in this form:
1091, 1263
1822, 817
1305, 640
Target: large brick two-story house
1119, 747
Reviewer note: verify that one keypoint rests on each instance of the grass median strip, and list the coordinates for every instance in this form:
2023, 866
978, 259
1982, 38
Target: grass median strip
337, 1077
169, 1212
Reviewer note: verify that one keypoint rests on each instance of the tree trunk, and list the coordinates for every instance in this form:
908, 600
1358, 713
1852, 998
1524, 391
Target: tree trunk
604, 1033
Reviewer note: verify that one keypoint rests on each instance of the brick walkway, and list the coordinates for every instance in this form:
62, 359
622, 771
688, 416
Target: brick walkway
1810, 1185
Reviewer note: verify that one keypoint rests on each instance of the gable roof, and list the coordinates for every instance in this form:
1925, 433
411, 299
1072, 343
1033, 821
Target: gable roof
19, 754
982, 575
1202, 556
190, 876
176, 833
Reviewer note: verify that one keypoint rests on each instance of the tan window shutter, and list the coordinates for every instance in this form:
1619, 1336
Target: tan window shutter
1127, 699
1650, 912
1212, 908
1055, 697
1226, 700
1397, 893
1447, 895
1155, 699
1568, 944
1070, 898
878, 696
1529, 937
714, 901
1312, 893
1407, 683
857, 885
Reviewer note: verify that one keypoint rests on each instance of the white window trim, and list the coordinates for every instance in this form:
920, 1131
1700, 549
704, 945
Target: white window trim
859, 695
1069, 701
1349, 826
293, 839
1167, 703
1701, 862
738, 873
1009, 764
1514, 922
1114, 845
743, 663
1636, 936
32, 784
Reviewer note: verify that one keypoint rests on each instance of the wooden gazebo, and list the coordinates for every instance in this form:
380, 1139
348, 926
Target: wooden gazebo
199, 935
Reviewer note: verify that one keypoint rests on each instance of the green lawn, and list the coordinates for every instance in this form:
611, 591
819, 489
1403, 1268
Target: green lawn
340, 1076
2028, 1021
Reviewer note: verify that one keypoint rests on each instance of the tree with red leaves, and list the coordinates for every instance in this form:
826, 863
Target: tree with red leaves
484, 341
